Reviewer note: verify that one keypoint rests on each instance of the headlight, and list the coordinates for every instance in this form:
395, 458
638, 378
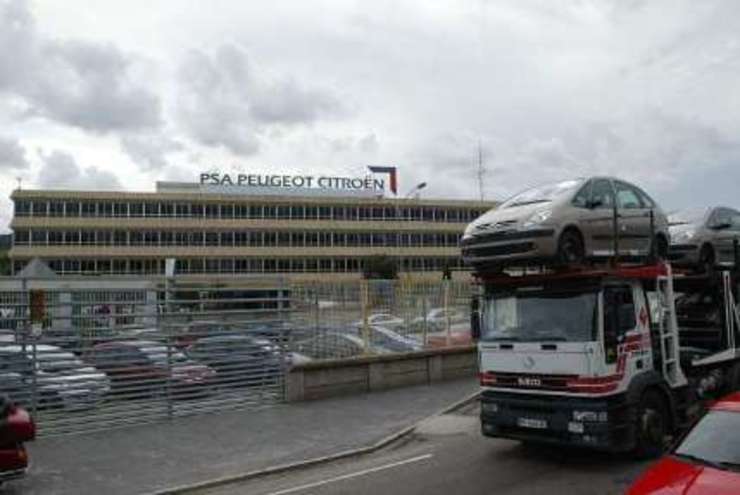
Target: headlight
683, 236
489, 407
537, 218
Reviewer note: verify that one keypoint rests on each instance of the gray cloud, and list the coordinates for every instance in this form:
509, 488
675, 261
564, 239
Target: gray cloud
225, 101
149, 151
12, 154
82, 84
61, 171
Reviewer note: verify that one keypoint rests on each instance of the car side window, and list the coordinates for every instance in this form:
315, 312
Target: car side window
734, 220
627, 197
647, 201
602, 193
580, 200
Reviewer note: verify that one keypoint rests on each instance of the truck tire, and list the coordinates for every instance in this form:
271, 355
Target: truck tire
732, 383
651, 425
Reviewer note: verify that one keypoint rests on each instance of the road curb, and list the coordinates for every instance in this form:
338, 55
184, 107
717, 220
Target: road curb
280, 468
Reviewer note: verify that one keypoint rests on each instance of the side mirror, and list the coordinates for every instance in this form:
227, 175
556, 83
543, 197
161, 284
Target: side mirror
475, 319
594, 203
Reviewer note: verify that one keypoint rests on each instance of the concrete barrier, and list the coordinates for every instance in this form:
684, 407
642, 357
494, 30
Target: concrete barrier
321, 379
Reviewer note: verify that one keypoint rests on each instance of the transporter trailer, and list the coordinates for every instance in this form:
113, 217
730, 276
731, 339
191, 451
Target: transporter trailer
615, 358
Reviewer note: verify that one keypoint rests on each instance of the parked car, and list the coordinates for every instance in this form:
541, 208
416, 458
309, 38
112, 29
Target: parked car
185, 335
239, 359
142, 367
703, 237
705, 461
436, 319
567, 222
390, 341
332, 345
62, 379
384, 319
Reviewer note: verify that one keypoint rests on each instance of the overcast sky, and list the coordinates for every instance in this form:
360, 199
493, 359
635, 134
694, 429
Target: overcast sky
116, 95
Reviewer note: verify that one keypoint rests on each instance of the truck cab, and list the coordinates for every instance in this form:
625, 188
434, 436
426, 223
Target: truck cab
586, 358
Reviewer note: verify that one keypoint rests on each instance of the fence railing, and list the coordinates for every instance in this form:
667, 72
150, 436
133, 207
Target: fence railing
86, 358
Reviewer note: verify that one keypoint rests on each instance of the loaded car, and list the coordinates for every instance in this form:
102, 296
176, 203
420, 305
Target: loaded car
567, 222
385, 319
62, 380
703, 237
141, 367
705, 461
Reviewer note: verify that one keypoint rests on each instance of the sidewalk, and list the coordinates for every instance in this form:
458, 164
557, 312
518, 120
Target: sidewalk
142, 459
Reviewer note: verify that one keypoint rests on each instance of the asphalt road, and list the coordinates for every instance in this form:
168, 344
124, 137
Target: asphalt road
448, 456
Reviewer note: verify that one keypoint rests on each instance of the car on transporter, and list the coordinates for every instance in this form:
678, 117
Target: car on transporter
568, 222
703, 237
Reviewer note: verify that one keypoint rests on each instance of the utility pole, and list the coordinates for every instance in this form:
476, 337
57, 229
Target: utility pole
481, 171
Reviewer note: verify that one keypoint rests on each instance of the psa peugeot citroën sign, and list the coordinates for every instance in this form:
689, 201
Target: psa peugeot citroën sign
368, 183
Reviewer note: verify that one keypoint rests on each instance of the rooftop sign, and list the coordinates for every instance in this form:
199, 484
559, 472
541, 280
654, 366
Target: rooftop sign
261, 183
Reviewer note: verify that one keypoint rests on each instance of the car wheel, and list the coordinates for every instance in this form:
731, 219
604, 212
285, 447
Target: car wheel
707, 259
661, 247
652, 426
570, 247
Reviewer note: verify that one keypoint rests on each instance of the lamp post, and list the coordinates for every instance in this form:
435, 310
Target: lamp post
418, 187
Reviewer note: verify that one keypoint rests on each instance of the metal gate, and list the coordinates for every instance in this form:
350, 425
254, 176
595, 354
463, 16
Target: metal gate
84, 359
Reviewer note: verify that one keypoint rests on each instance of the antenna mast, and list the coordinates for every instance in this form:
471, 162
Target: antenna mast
481, 171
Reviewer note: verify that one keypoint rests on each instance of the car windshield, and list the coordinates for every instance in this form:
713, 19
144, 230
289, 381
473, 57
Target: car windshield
55, 362
542, 194
685, 217
715, 440
540, 316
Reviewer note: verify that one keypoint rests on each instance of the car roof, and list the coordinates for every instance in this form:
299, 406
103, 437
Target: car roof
727, 403
29, 348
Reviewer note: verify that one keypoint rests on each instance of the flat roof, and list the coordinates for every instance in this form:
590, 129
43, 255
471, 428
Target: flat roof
62, 194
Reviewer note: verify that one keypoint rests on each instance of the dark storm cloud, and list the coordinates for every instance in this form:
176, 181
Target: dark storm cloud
225, 101
82, 84
12, 154
149, 151
60, 170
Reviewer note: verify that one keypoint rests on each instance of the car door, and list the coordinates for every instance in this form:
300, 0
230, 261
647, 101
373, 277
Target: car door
634, 220
595, 216
725, 225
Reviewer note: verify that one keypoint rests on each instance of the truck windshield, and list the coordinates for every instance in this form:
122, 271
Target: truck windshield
540, 317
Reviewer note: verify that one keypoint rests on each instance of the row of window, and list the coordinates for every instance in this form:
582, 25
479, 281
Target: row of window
234, 265
98, 209
40, 237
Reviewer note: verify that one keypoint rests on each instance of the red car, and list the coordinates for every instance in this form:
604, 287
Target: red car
705, 462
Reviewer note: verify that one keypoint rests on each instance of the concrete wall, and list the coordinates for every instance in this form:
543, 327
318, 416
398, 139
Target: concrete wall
319, 380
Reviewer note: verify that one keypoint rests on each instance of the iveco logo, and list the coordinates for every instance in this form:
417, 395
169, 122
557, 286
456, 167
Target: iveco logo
528, 362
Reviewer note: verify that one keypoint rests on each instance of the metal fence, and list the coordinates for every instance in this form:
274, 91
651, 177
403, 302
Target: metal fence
107, 354
362, 317
83, 360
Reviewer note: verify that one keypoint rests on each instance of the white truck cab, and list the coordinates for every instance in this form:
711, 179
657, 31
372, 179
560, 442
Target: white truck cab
591, 358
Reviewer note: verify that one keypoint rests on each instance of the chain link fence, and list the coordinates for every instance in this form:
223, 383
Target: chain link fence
104, 353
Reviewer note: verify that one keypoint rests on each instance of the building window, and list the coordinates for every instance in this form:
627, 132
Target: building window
104, 238
312, 213
241, 238
212, 238
22, 208
105, 210
120, 238
284, 239
56, 238
227, 239
195, 238
151, 238
166, 209
297, 212
227, 211
325, 213
241, 211
212, 211
87, 237
89, 209
21, 237
136, 238
136, 209
56, 208
72, 237
120, 267
120, 210
151, 209
255, 211
39, 208
270, 212
283, 212
340, 213
196, 211
182, 210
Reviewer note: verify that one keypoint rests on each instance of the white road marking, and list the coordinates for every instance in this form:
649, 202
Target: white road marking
351, 475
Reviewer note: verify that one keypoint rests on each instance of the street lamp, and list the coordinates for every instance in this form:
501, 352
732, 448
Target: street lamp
418, 187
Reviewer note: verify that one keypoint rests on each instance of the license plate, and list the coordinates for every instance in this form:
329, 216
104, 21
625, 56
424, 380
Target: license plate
539, 424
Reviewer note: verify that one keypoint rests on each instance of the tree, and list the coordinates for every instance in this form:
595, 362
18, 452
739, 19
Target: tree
380, 267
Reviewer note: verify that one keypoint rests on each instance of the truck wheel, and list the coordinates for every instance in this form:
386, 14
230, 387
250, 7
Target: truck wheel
733, 379
652, 425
